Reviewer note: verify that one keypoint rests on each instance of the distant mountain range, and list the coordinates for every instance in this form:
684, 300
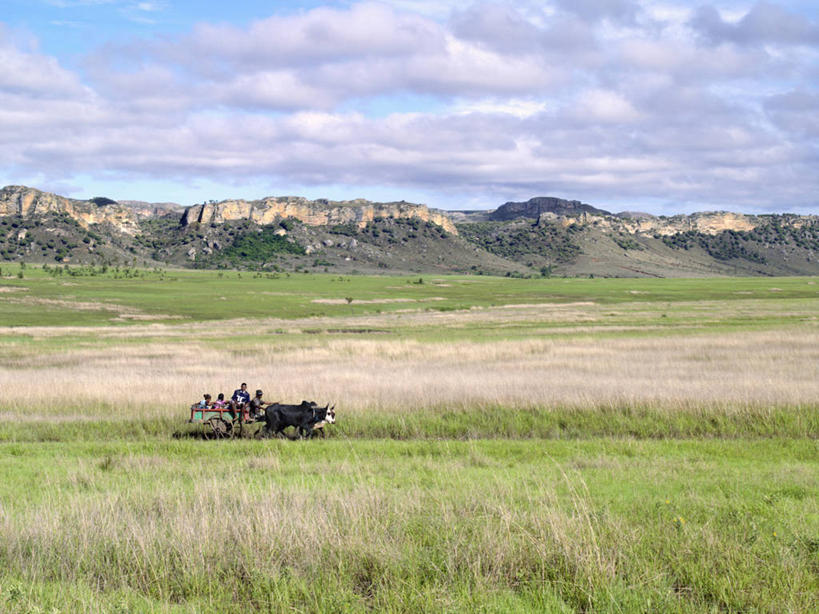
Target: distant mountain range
541, 236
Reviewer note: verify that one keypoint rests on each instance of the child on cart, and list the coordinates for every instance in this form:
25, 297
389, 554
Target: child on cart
205, 403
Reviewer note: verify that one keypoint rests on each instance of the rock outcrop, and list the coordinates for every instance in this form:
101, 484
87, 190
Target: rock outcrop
709, 223
312, 212
534, 207
27, 202
551, 210
146, 210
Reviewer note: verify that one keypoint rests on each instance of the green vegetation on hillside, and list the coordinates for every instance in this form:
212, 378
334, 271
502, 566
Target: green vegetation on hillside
536, 244
158, 236
53, 237
776, 232
253, 248
726, 245
625, 242
745, 245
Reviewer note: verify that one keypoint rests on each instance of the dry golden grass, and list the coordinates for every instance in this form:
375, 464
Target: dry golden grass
765, 368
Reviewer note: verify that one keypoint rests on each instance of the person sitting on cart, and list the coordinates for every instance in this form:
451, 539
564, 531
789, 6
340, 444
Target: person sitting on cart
240, 397
256, 406
205, 402
220, 402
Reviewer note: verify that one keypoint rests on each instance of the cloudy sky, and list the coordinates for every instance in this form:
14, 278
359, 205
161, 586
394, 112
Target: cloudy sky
662, 106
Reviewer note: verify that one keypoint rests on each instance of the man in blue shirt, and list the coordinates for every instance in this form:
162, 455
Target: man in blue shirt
240, 397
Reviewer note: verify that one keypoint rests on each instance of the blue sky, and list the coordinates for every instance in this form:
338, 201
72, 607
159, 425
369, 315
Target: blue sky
654, 105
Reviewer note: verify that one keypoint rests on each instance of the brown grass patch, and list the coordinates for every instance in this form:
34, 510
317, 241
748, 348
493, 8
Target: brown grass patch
161, 379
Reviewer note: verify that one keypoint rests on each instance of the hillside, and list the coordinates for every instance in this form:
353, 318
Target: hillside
774, 245
540, 237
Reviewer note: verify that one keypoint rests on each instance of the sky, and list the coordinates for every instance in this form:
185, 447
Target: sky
660, 106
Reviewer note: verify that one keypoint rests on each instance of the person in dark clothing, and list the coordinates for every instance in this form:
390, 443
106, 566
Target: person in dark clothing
240, 397
257, 406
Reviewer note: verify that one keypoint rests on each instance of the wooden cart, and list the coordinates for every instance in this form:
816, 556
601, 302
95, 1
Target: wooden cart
222, 423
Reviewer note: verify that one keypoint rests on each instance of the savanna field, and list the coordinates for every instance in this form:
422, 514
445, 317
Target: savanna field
502, 445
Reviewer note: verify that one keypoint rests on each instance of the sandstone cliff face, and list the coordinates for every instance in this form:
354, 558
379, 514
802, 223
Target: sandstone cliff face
710, 223
146, 210
24, 201
312, 212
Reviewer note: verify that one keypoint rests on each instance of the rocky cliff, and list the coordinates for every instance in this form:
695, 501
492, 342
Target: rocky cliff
27, 202
548, 209
312, 212
146, 210
708, 223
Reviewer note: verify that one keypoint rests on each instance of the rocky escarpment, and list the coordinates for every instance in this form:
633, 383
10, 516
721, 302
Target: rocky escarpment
534, 207
707, 223
146, 210
29, 202
312, 212
551, 210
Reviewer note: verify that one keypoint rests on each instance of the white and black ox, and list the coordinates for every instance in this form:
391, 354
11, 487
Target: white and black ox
307, 418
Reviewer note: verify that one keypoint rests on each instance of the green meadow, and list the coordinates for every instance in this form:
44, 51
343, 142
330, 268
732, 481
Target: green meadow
502, 445
207, 295
378, 525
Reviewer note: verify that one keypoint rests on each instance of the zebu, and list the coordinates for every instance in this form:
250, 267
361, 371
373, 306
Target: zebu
306, 418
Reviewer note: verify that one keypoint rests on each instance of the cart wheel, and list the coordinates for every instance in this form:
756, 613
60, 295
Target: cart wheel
220, 428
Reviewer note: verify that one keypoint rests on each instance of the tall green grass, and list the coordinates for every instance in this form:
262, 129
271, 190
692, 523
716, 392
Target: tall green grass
478, 422
412, 526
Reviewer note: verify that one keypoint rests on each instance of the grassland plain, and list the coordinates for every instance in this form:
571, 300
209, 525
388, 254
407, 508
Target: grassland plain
503, 445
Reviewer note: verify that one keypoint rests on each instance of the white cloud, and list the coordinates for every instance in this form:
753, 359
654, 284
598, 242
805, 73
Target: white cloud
520, 108
30, 73
465, 69
320, 35
596, 101
597, 105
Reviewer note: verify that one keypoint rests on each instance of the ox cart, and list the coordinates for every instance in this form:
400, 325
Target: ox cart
223, 422
308, 420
